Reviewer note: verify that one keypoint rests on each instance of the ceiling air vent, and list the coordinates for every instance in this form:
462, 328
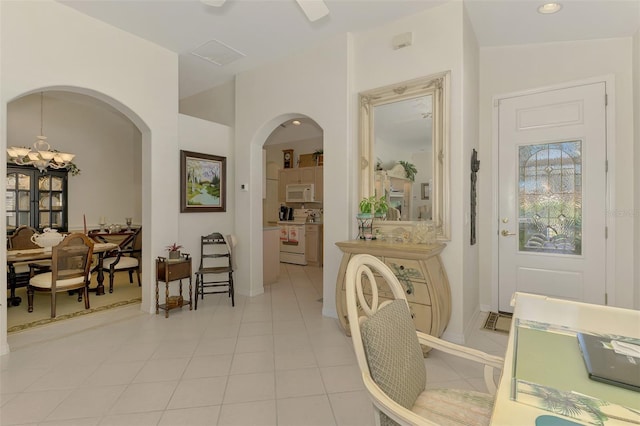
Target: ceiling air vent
218, 53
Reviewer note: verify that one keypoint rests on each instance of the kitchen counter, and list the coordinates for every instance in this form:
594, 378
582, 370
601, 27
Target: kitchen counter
270, 254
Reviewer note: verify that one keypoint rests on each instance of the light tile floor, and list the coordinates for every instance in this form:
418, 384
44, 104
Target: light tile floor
271, 360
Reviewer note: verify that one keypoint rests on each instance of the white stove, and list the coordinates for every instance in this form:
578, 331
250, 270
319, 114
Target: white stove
292, 238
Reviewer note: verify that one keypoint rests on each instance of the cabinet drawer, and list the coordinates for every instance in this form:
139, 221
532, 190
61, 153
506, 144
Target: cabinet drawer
405, 269
176, 271
415, 292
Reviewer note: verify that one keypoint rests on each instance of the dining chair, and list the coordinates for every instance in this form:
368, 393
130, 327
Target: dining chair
70, 268
216, 260
127, 257
390, 358
19, 273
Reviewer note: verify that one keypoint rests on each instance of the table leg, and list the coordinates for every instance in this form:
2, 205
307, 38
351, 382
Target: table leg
13, 300
100, 287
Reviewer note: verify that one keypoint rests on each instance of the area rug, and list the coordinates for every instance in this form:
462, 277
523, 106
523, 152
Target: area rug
500, 322
25, 326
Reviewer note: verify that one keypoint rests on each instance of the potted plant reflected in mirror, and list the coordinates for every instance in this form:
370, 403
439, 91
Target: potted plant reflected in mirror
174, 251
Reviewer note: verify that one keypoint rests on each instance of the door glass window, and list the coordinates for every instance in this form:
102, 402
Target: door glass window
550, 198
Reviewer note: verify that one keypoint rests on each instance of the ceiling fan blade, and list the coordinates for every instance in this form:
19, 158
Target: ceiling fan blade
314, 9
214, 3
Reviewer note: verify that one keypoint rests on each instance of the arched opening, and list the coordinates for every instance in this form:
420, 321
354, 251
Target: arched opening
293, 155
109, 141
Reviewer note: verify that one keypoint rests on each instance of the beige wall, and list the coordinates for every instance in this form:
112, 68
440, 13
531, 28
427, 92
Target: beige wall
216, 104
517, 68
636, 162
107, 147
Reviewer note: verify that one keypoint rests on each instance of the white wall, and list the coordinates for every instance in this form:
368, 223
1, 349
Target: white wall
46, 45
216, 104
437, 47
470, 89
206, 137
312, 83
107, 147
516, 68
636, 161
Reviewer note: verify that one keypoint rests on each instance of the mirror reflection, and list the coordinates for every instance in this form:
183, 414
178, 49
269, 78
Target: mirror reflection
404, 145
403, 149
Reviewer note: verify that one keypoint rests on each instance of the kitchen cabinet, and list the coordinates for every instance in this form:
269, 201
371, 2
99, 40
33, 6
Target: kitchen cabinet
319, 188
421, 273
298, 175
36, 199
313, 244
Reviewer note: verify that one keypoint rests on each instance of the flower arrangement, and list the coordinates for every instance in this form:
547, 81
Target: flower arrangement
174, 251
173, 247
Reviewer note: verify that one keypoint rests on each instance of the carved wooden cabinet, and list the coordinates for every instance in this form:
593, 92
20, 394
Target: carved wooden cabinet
421, 273
36, 199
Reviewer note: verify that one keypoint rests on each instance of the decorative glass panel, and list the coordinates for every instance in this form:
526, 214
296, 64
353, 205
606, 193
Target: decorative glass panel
550, 198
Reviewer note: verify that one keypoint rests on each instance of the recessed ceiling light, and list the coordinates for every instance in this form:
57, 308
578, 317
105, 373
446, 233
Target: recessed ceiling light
549, 8
295, 122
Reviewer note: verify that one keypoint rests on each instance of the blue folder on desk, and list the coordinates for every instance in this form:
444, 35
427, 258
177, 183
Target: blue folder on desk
606, 366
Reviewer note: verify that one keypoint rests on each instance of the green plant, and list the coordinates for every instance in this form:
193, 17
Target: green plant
367, 204
374, 205
409, 169
317, 153
173, 247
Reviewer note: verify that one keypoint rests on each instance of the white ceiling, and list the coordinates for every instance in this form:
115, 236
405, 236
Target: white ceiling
265, 30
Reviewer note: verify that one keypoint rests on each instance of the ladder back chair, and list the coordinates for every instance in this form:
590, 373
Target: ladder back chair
215, 274
390, 358
70, 268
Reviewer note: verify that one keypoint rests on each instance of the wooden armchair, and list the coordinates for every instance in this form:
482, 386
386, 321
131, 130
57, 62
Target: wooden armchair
126, 258
70, 265
19, 273
388, 351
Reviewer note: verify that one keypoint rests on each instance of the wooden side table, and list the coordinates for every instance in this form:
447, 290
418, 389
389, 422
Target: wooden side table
168, 270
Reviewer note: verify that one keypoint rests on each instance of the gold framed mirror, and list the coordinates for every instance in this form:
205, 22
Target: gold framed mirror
404, 146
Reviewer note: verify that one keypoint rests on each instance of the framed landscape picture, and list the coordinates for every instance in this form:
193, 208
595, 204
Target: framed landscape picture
203, 182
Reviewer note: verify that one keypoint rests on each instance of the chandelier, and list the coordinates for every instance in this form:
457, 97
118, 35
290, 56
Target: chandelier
41, 155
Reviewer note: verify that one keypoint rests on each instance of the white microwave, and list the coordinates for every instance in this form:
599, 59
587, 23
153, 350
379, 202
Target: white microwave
300, 193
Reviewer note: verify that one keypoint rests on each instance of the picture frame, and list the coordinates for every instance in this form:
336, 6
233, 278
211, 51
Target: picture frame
424, 191
203, 182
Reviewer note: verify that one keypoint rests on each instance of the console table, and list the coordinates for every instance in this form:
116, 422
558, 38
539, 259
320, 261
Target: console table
168, 270
420, 272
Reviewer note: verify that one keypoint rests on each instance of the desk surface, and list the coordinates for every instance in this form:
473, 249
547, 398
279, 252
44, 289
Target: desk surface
530, 371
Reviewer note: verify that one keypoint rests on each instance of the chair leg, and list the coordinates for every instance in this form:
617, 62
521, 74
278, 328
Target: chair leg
53, 304
111, 274
231, 290
195, 307
30, 299
130, 276
86, 296
138, 276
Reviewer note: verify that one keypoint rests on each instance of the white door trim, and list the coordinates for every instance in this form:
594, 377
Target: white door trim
609, 81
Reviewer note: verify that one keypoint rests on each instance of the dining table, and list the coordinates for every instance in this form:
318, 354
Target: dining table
545, 380
32, 255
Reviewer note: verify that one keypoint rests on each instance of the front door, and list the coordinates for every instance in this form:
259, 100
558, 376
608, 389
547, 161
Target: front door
552, 194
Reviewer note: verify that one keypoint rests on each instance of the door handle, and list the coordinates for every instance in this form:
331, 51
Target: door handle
506, 233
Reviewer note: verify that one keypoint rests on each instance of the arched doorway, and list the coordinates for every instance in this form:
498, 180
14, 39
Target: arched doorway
294, 147
108, 140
